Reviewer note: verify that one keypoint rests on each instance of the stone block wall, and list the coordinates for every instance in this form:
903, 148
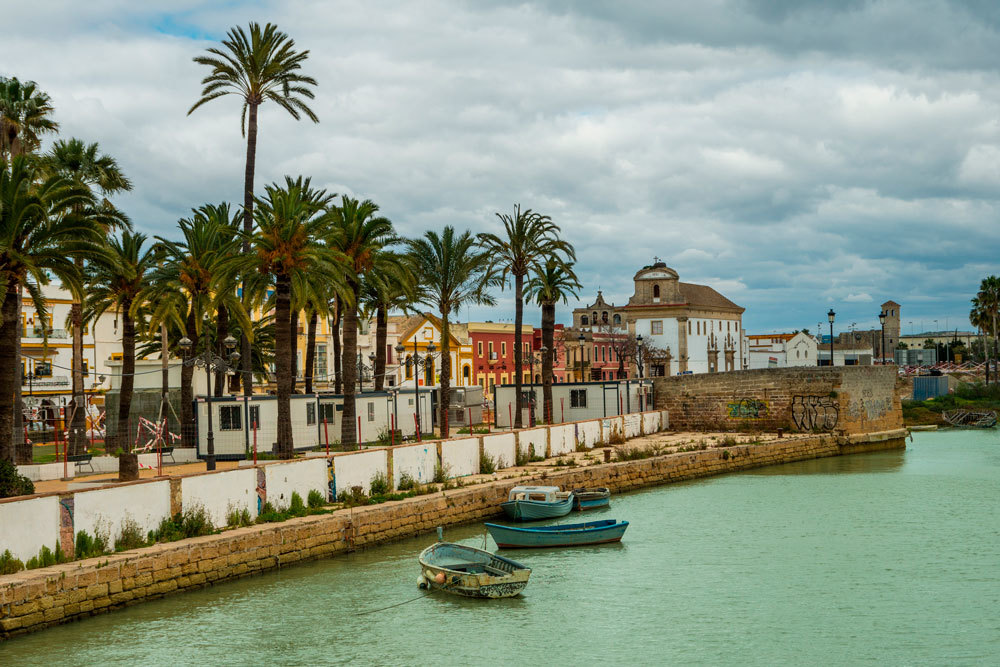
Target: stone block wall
844, 399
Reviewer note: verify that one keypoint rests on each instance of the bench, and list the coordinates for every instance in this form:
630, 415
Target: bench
80, 460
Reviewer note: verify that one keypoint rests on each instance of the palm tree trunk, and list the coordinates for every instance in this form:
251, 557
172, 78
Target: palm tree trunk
188, 426
445, 374
78, 405
251, 164
337, 379
9, 317
24, 453
128, 463
348, 429
381, 334
293, 332
518, 352
221, 332
283, 364
548, 340
311, 350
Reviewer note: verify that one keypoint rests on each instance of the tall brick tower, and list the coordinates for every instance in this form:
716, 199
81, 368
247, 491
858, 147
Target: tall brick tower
892, 329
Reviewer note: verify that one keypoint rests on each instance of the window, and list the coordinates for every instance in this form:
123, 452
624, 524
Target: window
116, 356
617, 319
466, 373
527, 348
319, 365
593, 317
491, 350
527, 378
479, 348
86, 367
371, 412
310, 413
503, 349
604, 352
584, 321
578, 398
656, 291
388, 353
229, 418
604, 317
409, 367
656, 328
255, 415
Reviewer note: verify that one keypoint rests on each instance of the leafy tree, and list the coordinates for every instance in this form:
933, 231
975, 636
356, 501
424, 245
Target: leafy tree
454, 272
389, 286
551, 283
529, 240
25, 115
258, 67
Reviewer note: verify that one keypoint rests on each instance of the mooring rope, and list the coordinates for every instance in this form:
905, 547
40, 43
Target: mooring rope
399, 604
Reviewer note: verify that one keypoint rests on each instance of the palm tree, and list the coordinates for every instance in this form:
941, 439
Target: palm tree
313, 295
360, 235
25, 115
256, 68
553, 282
389, 286
115, 283
288, 246
454, 272
986, 307
39, 234
191, 284
86, 166
529, 240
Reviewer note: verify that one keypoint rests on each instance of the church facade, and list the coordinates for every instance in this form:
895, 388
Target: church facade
685, 328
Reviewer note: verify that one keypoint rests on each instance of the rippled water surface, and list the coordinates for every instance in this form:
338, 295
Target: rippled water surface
885, 558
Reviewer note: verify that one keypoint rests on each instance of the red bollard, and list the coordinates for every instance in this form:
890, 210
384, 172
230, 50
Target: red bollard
255, 443
416, 423
326, 430
359, 433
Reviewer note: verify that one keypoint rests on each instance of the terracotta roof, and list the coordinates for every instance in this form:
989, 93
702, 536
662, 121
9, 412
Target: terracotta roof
782, 336
703, 295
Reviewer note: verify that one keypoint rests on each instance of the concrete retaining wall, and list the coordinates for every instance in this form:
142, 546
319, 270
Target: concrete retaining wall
106, 509
460, 457
220, 492
28, 525
532, 437
562, 439
359, 469
284, 479
502, 448
588, 434
418, 461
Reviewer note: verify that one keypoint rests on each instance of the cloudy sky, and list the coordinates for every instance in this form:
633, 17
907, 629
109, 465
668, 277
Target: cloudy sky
793, 156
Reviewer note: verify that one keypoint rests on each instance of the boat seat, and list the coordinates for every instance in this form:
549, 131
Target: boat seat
495, 571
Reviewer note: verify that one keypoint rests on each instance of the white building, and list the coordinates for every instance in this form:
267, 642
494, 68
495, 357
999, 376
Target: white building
782, 350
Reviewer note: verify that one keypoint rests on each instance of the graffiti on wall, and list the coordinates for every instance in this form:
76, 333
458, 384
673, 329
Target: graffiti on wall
868, 407
748, 408
815, 413
261, 490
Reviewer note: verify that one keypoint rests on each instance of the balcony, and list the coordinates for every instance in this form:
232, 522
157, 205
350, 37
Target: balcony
37, 334
47, 382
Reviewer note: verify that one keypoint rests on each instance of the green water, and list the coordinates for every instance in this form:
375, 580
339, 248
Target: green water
886, 558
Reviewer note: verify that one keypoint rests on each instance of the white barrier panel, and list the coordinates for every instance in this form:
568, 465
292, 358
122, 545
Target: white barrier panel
105, 509
562, 439
650, 422
460, 457
588, 434
28, 525
417, 461
633, 425
532, 438
664, 420
283, 479
221, 492
359, 469
501, 448
612, 429
45, 471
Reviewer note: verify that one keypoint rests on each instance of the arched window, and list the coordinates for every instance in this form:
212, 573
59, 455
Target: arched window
617, 319
656, 291
604, 317
466, 373
595, 317
583, 320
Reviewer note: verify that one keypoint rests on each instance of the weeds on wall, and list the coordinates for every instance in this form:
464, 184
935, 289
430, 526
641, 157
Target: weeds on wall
637, 452
129, 536
487, 464
380, 484
237, 517
617, 437
89, 547
45, 558
442, 473
192, 522
315, 499
9, 564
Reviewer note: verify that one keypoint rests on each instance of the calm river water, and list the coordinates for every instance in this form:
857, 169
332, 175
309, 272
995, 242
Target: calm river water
885, 558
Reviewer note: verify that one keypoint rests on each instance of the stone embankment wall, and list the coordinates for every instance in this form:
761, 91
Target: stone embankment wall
842, 400
39, 598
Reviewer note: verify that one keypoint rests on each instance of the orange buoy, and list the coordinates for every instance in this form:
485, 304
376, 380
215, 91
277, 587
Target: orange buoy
439, 577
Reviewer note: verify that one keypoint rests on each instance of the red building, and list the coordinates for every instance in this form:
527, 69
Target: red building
493, 354
593, 361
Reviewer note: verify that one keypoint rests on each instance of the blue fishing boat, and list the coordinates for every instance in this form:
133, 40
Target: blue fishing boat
590, 499
565, 535
471, 572
531, 503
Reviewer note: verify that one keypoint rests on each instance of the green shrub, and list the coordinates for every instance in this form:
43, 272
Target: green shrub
296, 507
238, 517
130, 536
730, 441
522, 458
13, 483
380, 485
192, 522
315, 499
45, 558
725, 454
442, 473
406, 482
636, 452
89, 547
9, 564
353, 497
487, 464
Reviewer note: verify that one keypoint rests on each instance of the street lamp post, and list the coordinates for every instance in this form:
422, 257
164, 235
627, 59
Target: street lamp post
638, 355
416, 364
881, 320
831, 316
581, 339
211, 362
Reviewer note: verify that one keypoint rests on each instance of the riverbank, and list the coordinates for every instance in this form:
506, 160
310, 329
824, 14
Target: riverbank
40, 598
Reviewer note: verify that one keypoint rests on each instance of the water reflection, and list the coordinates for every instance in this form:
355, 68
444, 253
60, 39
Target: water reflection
872, 462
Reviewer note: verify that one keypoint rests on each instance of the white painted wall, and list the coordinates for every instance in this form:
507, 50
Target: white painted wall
633, 425
358, 469
562, 439
45, 471
650, 422
532, 436
610, 427
232, 442
417, 460
502, 448
282, 479
460, 457
588, 433
220, 492
147, 504
27, 525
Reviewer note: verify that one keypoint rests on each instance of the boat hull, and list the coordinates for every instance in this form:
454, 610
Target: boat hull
533, 510
590, 499
567, 535
471, 572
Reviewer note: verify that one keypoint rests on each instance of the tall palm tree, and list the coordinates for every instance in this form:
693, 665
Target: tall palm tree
313, 296
359, 233
289, 245
115, 283
258, 67
551, 283
388, 286
987, 303
25, 115
529, 240
39, 234
454, 272
190, 285
86, 166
